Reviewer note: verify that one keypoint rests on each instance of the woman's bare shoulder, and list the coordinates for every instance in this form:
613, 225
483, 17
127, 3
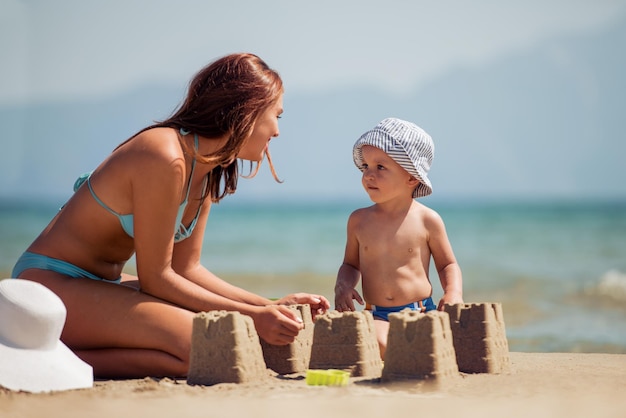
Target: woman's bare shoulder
161, 143
153, 157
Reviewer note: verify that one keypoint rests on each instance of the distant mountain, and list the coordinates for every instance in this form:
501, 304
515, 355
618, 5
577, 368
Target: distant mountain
544, 123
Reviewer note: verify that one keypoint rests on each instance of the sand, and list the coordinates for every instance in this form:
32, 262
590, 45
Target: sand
537, 385
531, 384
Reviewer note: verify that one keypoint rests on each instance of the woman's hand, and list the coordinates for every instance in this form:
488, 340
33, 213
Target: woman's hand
319, 304
277, 325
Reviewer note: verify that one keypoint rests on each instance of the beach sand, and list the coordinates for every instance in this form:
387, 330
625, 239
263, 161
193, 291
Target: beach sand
537, 385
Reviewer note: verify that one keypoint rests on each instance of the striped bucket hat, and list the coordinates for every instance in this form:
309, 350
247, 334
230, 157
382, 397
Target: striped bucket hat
408, 145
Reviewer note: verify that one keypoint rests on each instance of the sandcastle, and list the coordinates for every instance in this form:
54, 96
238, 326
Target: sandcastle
479, 337
434, 346
225, 348
346, 341
419, 346
294, 357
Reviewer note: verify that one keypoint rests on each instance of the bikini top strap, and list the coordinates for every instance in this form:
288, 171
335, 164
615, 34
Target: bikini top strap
183, 132
97, 199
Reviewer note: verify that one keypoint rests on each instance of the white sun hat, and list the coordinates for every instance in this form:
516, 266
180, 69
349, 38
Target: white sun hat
408, 144
32, 356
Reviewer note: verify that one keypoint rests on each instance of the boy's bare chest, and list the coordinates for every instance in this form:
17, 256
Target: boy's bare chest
389, 239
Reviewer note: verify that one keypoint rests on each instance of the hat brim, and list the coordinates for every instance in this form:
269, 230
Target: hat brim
43, 370
424, 188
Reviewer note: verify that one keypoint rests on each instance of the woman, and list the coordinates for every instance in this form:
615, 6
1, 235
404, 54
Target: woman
151, 197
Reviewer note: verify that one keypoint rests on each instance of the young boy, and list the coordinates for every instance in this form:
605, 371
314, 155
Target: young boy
390, 243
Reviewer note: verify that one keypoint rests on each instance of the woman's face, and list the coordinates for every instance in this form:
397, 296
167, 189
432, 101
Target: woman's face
265, 128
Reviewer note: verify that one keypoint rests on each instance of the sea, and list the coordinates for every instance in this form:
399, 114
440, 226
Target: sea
558, 268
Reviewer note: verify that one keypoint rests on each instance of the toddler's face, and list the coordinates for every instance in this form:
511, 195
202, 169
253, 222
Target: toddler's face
383, 178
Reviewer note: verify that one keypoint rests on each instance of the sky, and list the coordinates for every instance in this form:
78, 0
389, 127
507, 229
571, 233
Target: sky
71, 49
75, 50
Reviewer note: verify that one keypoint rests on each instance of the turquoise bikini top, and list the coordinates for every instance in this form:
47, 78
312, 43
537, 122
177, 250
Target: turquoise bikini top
181, 232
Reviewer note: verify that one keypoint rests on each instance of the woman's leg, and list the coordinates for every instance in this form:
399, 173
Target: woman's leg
120, 331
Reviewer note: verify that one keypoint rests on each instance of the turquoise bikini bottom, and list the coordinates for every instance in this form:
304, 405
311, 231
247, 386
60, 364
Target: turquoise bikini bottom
30, 260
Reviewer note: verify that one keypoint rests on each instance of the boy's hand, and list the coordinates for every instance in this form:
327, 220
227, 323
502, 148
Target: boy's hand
344, 299
451, 298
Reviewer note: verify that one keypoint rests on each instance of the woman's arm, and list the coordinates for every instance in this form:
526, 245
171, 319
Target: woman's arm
186, 262
159, 184
172, 272
160, 266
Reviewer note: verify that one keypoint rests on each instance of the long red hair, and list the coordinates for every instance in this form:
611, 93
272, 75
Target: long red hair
224, 99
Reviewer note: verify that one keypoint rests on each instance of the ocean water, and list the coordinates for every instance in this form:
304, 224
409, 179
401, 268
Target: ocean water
559, 269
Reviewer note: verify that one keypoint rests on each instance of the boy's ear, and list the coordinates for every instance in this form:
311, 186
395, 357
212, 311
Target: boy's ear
413, 182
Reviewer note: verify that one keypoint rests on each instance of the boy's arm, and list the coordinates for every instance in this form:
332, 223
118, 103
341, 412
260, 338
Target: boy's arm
445, 262
348, 275
345, 288
452, 284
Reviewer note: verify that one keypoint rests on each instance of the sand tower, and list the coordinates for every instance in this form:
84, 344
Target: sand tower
225, 348
346, 341
479, 337
294, 357
419, 346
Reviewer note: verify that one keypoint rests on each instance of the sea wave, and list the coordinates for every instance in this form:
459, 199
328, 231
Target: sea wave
611, 287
